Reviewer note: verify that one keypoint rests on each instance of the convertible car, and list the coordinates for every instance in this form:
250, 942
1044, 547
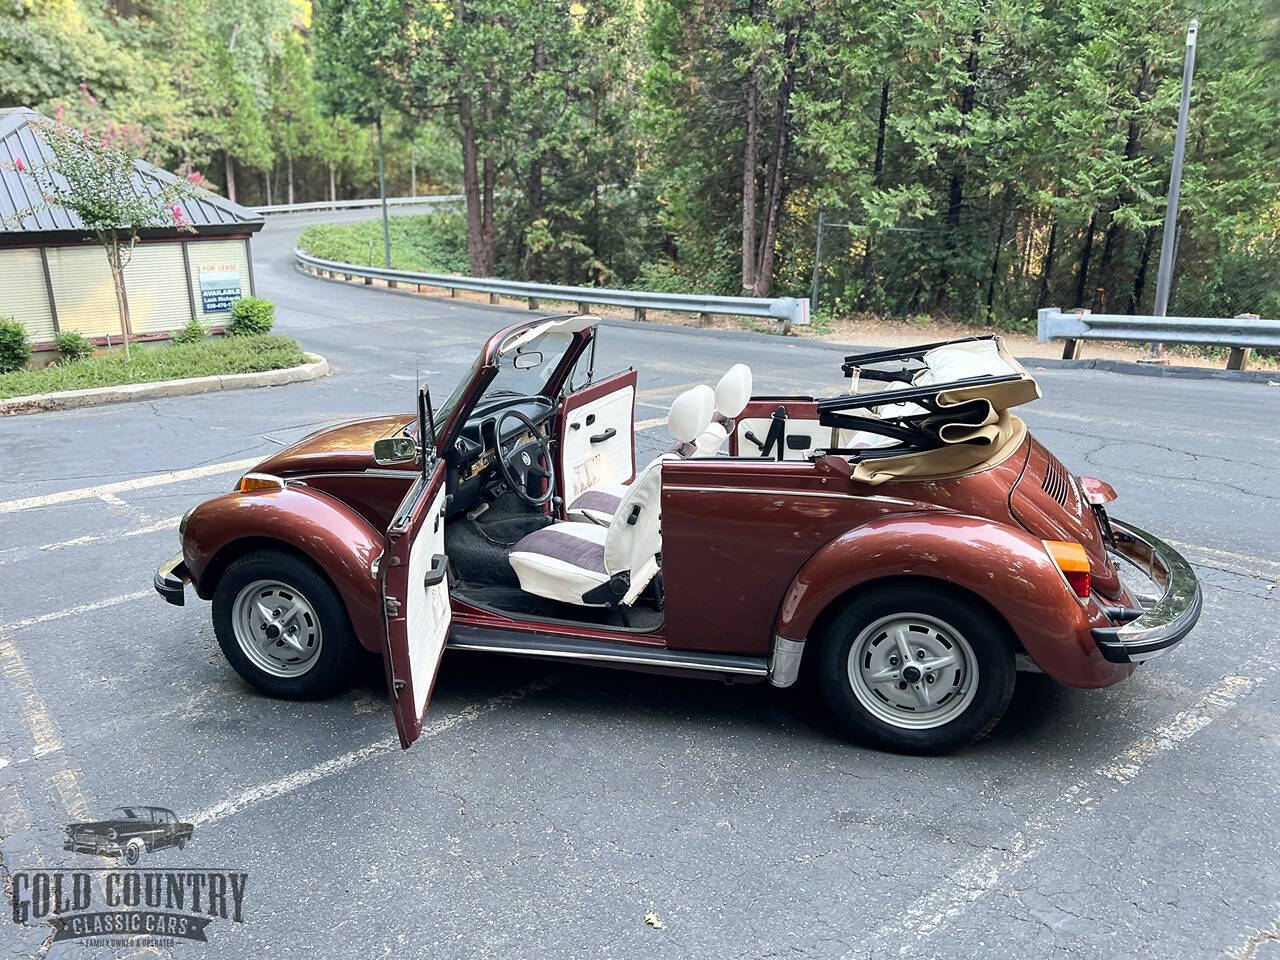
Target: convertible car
904, 542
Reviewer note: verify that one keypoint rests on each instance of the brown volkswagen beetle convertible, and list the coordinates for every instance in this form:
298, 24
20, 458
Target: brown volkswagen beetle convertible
906, 540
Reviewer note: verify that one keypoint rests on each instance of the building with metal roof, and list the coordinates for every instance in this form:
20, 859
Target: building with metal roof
55, 277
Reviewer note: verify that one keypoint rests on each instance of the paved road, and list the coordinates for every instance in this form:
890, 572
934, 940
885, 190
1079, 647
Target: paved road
548, 809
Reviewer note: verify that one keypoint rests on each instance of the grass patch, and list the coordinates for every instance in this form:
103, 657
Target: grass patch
173, 361
431, 242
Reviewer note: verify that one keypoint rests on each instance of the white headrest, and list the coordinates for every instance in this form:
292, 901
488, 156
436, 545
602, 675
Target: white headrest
734, 390
690, 413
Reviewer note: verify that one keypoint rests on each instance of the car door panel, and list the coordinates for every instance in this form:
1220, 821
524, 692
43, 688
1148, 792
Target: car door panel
597, 435
416, 601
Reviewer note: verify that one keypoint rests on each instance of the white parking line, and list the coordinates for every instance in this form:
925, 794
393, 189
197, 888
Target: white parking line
120, 486
1228, 554
273, 789
642, 425
982, 874
76, 611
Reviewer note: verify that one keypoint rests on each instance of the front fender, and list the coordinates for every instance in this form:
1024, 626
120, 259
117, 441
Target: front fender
1005, 566
342, 543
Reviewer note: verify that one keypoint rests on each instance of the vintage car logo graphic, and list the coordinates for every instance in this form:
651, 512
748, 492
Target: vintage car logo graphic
124, 904
129, 832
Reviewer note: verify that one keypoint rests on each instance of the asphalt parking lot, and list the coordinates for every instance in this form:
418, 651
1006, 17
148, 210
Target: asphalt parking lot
548, 809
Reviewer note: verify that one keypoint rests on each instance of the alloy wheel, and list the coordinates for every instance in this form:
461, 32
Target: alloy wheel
913, 671
276, 628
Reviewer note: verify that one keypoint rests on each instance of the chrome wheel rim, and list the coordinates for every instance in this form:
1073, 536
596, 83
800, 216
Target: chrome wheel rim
277, 628
913, 671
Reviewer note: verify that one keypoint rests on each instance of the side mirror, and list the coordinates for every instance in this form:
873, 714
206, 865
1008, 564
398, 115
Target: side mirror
527, 361
391, 450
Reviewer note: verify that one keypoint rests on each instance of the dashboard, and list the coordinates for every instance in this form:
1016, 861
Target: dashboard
474, 453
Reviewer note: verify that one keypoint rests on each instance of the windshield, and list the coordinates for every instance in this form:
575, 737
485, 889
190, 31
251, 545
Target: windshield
128, 813
521, 373
525, 370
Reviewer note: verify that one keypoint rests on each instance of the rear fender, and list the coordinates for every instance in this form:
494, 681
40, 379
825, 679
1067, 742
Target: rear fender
1006, 567
338, 540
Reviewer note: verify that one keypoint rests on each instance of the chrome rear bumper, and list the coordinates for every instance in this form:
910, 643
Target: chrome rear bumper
1166, 621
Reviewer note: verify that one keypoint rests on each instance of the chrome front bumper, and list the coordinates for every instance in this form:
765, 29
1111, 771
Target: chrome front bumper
1166, 621
98, 845
171, 580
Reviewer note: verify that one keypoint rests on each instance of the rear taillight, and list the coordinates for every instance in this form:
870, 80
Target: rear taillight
1071, 559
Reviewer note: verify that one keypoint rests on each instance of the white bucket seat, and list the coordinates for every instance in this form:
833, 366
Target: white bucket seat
686, 422
602, 566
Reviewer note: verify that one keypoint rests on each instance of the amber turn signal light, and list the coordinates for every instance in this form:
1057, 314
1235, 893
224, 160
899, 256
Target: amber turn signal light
259, 481
1074, 564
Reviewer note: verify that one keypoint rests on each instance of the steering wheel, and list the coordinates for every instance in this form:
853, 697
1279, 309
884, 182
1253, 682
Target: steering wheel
519, 461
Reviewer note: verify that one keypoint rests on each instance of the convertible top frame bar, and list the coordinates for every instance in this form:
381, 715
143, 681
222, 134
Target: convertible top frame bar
914, 432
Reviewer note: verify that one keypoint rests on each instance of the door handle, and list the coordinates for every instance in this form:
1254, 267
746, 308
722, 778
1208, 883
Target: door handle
439, 567
602, 437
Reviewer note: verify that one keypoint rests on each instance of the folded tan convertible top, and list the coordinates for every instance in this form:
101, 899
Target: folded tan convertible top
944, 412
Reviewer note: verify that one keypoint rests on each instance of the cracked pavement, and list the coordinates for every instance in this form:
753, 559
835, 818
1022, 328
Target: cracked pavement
548, 820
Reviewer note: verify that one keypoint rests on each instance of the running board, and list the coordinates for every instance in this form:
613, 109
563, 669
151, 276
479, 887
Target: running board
558, 647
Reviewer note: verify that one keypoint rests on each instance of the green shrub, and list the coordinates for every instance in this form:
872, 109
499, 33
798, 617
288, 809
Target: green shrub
15, 350
193, 332
73, 346
213, 356
251, 316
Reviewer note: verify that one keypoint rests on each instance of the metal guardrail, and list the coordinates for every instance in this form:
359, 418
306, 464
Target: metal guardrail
783, 310
359, 204
1241, 333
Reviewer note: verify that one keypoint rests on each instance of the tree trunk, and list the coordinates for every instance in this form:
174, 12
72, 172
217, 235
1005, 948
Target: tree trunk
955, 201
1140, 279
879, 169
266, 182
122, 302
230, 167
995, 259
490, 175
1046, 265
778, 167
333, 182
288, 164
531, 263
471, 186
1082, 278
1114, 238
750, 161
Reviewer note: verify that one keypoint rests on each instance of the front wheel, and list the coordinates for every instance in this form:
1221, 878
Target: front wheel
916, 669
283, 627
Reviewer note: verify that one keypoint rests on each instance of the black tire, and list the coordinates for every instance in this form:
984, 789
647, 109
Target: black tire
182, 843
133, 852
987, 636
339, 654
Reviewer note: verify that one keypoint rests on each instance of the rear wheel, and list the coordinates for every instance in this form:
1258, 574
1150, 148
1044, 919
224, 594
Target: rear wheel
917, 669
283, 627
133, 852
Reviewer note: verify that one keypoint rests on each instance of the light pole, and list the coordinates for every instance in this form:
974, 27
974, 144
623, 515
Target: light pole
382, 193
1164, 279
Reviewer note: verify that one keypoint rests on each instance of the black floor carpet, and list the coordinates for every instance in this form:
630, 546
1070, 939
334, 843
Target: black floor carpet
478, 555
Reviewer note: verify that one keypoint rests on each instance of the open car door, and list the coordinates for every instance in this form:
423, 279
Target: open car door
597, 431
415, 596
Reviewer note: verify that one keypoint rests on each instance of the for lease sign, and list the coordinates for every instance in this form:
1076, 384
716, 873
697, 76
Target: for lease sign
219, 287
